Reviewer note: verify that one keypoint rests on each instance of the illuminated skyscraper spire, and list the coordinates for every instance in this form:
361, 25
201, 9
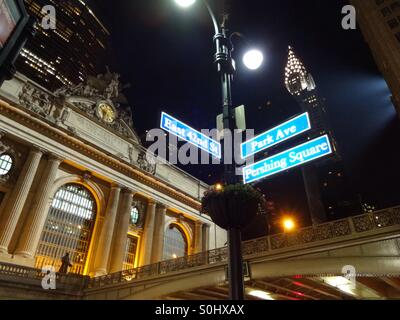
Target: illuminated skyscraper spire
300, 83
297, 78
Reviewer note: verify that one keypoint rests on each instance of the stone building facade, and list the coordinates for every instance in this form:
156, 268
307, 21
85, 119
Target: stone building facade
74, 178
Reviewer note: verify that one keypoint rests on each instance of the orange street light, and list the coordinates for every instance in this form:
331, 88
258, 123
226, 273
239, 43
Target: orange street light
288, 224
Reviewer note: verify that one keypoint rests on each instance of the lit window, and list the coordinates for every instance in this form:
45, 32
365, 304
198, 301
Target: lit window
69, 228
6, 163
134, 215
130, 253
175, 244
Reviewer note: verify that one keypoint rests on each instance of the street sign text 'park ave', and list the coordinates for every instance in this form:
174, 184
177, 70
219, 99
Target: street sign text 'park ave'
280, 133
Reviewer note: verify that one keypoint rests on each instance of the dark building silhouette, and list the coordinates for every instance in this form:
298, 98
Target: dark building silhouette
380, 24
327, 192
69, 53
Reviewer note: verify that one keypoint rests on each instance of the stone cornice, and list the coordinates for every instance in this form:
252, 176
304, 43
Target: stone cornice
61, 136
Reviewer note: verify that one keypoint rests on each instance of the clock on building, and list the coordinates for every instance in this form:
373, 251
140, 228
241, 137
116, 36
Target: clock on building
106, 112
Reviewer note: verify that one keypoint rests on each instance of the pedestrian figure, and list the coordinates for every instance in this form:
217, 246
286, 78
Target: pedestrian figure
65, 263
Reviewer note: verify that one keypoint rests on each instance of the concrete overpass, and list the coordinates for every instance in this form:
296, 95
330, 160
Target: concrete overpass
307, 264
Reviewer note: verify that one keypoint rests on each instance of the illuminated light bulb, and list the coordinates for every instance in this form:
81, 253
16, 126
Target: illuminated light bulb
288, 224
185, 3
261, 295
253, 59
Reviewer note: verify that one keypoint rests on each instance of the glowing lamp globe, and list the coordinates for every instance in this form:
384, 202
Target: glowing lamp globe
185, 3
289, 224
253, 59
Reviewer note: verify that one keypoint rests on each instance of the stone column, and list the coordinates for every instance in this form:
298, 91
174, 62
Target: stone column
107, 230
158, 238
198, 237
12, 210
121, 232
36, 219
206, 237
148, 232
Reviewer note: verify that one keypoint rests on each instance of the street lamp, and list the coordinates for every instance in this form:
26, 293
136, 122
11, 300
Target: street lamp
226, 68
185, 3
253, 59
219, 187
288, 224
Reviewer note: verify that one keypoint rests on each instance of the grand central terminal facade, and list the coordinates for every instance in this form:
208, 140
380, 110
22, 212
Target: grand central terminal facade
74, 178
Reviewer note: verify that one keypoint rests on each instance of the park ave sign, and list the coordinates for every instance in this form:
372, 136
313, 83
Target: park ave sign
280, 133
288, 159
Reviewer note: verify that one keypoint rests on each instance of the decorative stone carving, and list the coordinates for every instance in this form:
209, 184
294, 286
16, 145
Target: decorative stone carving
36, 100
363, 223
86, 176
307, 235
145, 164
341, 228
3, 147
323, 232
107, 90
278, 241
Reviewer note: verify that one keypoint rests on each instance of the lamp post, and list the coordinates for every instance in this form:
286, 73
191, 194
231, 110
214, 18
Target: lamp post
226, 68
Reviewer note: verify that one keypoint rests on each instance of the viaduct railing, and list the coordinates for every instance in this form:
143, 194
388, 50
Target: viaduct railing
356, 225
69, 283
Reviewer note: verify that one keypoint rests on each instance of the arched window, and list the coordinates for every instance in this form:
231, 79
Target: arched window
175, 243
134, 218
6, 163
69, 228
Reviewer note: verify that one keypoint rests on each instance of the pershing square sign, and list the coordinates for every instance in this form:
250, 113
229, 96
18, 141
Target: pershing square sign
291, 158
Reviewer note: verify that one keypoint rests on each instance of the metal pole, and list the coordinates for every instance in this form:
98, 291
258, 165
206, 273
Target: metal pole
235, 268
223, 58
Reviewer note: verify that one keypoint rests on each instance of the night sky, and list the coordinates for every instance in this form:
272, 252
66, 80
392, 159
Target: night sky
166, 53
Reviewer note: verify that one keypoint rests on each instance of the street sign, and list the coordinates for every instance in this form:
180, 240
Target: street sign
183, 131
291, 158
272, 137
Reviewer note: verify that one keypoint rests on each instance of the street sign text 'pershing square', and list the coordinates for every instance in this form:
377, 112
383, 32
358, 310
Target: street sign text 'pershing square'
288, 159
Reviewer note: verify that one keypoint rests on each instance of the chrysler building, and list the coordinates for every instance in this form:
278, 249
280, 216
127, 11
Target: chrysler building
323, 196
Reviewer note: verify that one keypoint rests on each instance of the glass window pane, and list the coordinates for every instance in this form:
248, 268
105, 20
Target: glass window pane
175, 244
64, 231
6, 163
